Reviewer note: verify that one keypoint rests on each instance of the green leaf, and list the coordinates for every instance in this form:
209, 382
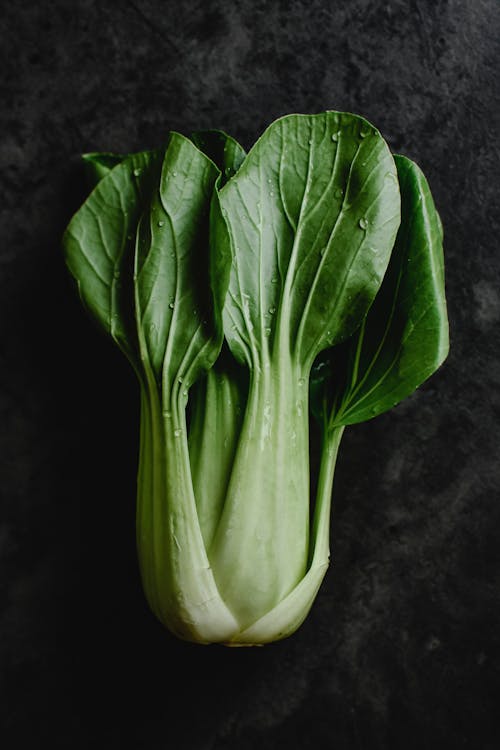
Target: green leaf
312, 213
99, 246
404, 337
311, 200
174, 309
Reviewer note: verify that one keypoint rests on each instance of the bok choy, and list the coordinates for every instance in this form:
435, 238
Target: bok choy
258, 297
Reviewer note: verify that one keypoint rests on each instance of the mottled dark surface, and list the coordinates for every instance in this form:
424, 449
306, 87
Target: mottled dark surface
401, 650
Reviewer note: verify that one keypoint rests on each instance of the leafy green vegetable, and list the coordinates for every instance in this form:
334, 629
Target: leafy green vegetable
226, 279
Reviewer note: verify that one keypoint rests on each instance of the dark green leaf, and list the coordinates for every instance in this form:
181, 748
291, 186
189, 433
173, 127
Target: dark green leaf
174, 309
99, 244
312, 212
404, 337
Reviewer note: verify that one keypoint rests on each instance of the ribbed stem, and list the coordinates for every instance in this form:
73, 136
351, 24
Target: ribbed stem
259, 552
320, 545
213, 436
178, 581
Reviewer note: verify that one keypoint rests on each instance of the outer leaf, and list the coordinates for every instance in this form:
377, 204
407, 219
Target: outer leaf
99, 243
178, 338
310, 201
313, 214
173, 306
404, 337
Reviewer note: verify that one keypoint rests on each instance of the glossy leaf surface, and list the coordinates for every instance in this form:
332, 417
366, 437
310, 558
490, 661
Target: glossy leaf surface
312, 214
173, 306
99, 246
404, 337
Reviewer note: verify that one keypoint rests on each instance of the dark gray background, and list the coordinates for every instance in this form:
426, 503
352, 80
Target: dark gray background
402, 647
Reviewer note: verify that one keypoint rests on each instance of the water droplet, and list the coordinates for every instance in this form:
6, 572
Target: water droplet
364, 132
174, 174
335, 136
177, 432
301, 382
271, 193
137, 172
267, 331
310, 141
161, 223
171, 305
274, 280
167, 414
363, 222
180, 380
272, 310
269, 180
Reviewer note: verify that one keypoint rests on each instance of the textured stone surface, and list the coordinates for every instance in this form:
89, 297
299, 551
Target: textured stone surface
402, 647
